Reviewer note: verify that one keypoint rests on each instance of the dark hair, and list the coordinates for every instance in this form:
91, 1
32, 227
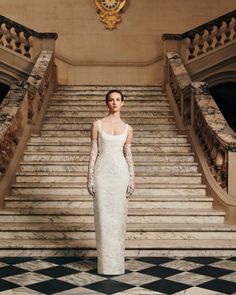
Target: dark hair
114, 90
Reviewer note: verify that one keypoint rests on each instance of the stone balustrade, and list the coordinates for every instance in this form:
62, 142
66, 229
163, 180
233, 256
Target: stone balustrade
204, 38
22, 109
22, 40
198, 110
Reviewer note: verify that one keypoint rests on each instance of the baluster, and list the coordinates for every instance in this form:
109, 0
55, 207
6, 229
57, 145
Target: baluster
8, 36
219, 161
27, 45
18, 41
209, 39
1, 34
200, 43
234, 37
227, 31
191, 47
218, 35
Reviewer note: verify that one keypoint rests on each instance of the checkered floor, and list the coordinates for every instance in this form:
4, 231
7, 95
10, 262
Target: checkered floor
144, 276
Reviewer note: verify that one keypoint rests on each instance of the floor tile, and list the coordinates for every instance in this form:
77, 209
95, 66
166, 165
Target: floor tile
10, 270
63, 260
57, 271
5, 285
202, 260
135, 265
136, 278
82, 265
160, 271
15, 260
51, 286
28, 278
220, 286
21, 291
81, 279
109, 286
230, 277
155, 260
139, 291
36, 265
208, 270
198, 291
166, 286
227, 264
190, 278
182, 265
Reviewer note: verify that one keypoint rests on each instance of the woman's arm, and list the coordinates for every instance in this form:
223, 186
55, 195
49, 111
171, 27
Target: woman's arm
129, 159
92, 159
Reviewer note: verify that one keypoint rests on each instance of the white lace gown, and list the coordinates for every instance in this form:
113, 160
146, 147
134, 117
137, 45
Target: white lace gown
110, 203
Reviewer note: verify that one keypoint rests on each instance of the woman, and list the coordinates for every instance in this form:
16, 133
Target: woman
111, 182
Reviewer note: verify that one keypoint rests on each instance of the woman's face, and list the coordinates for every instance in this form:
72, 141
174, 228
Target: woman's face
114, 102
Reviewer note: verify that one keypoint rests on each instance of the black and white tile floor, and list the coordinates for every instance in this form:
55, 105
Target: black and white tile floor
144, 276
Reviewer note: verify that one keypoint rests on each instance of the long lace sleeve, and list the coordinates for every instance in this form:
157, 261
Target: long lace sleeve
129, 159
91, 165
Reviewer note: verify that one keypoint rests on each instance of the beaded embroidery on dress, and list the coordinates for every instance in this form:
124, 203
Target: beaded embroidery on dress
111, 176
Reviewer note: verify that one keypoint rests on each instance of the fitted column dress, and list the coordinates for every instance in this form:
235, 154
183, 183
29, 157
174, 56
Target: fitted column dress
110, 203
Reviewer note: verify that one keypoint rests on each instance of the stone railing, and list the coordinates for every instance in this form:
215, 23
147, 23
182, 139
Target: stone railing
196, 109
12, 121
21, 112
204, 38
22, 40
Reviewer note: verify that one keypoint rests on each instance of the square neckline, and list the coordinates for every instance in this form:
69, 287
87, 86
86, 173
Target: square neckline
100, 128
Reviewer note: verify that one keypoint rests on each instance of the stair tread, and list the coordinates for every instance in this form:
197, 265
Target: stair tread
157, 227
134, 244
137, 174
88, 198
78, 185
131, 211
86, 164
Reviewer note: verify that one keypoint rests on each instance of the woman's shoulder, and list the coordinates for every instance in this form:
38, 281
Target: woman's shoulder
95, 123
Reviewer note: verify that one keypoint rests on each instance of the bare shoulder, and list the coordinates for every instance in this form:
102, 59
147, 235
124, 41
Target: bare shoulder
94, 129
130, 129
94, 124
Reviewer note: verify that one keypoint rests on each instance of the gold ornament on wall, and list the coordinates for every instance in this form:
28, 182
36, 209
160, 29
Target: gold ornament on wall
109, 12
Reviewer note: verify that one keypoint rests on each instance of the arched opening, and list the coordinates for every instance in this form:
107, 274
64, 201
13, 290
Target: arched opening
3, 91
225, 96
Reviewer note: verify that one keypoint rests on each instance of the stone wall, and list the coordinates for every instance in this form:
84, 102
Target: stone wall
87, 53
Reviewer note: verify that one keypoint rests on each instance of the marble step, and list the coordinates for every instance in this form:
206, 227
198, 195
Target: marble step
103, 108
71, 167
49, 131
98, 114
36, 215
165, 202
165, 126
79, 235
89, 103
85, 147
100, 98
76, 141
74, 126
130, 244
149, 189
89, 120
225, 249
108, 87
184, 179
101, 94
57, 141
84, 157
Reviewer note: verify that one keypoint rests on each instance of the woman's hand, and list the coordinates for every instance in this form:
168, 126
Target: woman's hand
130, 188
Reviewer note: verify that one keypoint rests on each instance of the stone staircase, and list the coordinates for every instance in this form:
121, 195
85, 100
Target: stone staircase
49, 211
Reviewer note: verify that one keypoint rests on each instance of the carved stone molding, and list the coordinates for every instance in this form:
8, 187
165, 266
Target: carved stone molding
109, 12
